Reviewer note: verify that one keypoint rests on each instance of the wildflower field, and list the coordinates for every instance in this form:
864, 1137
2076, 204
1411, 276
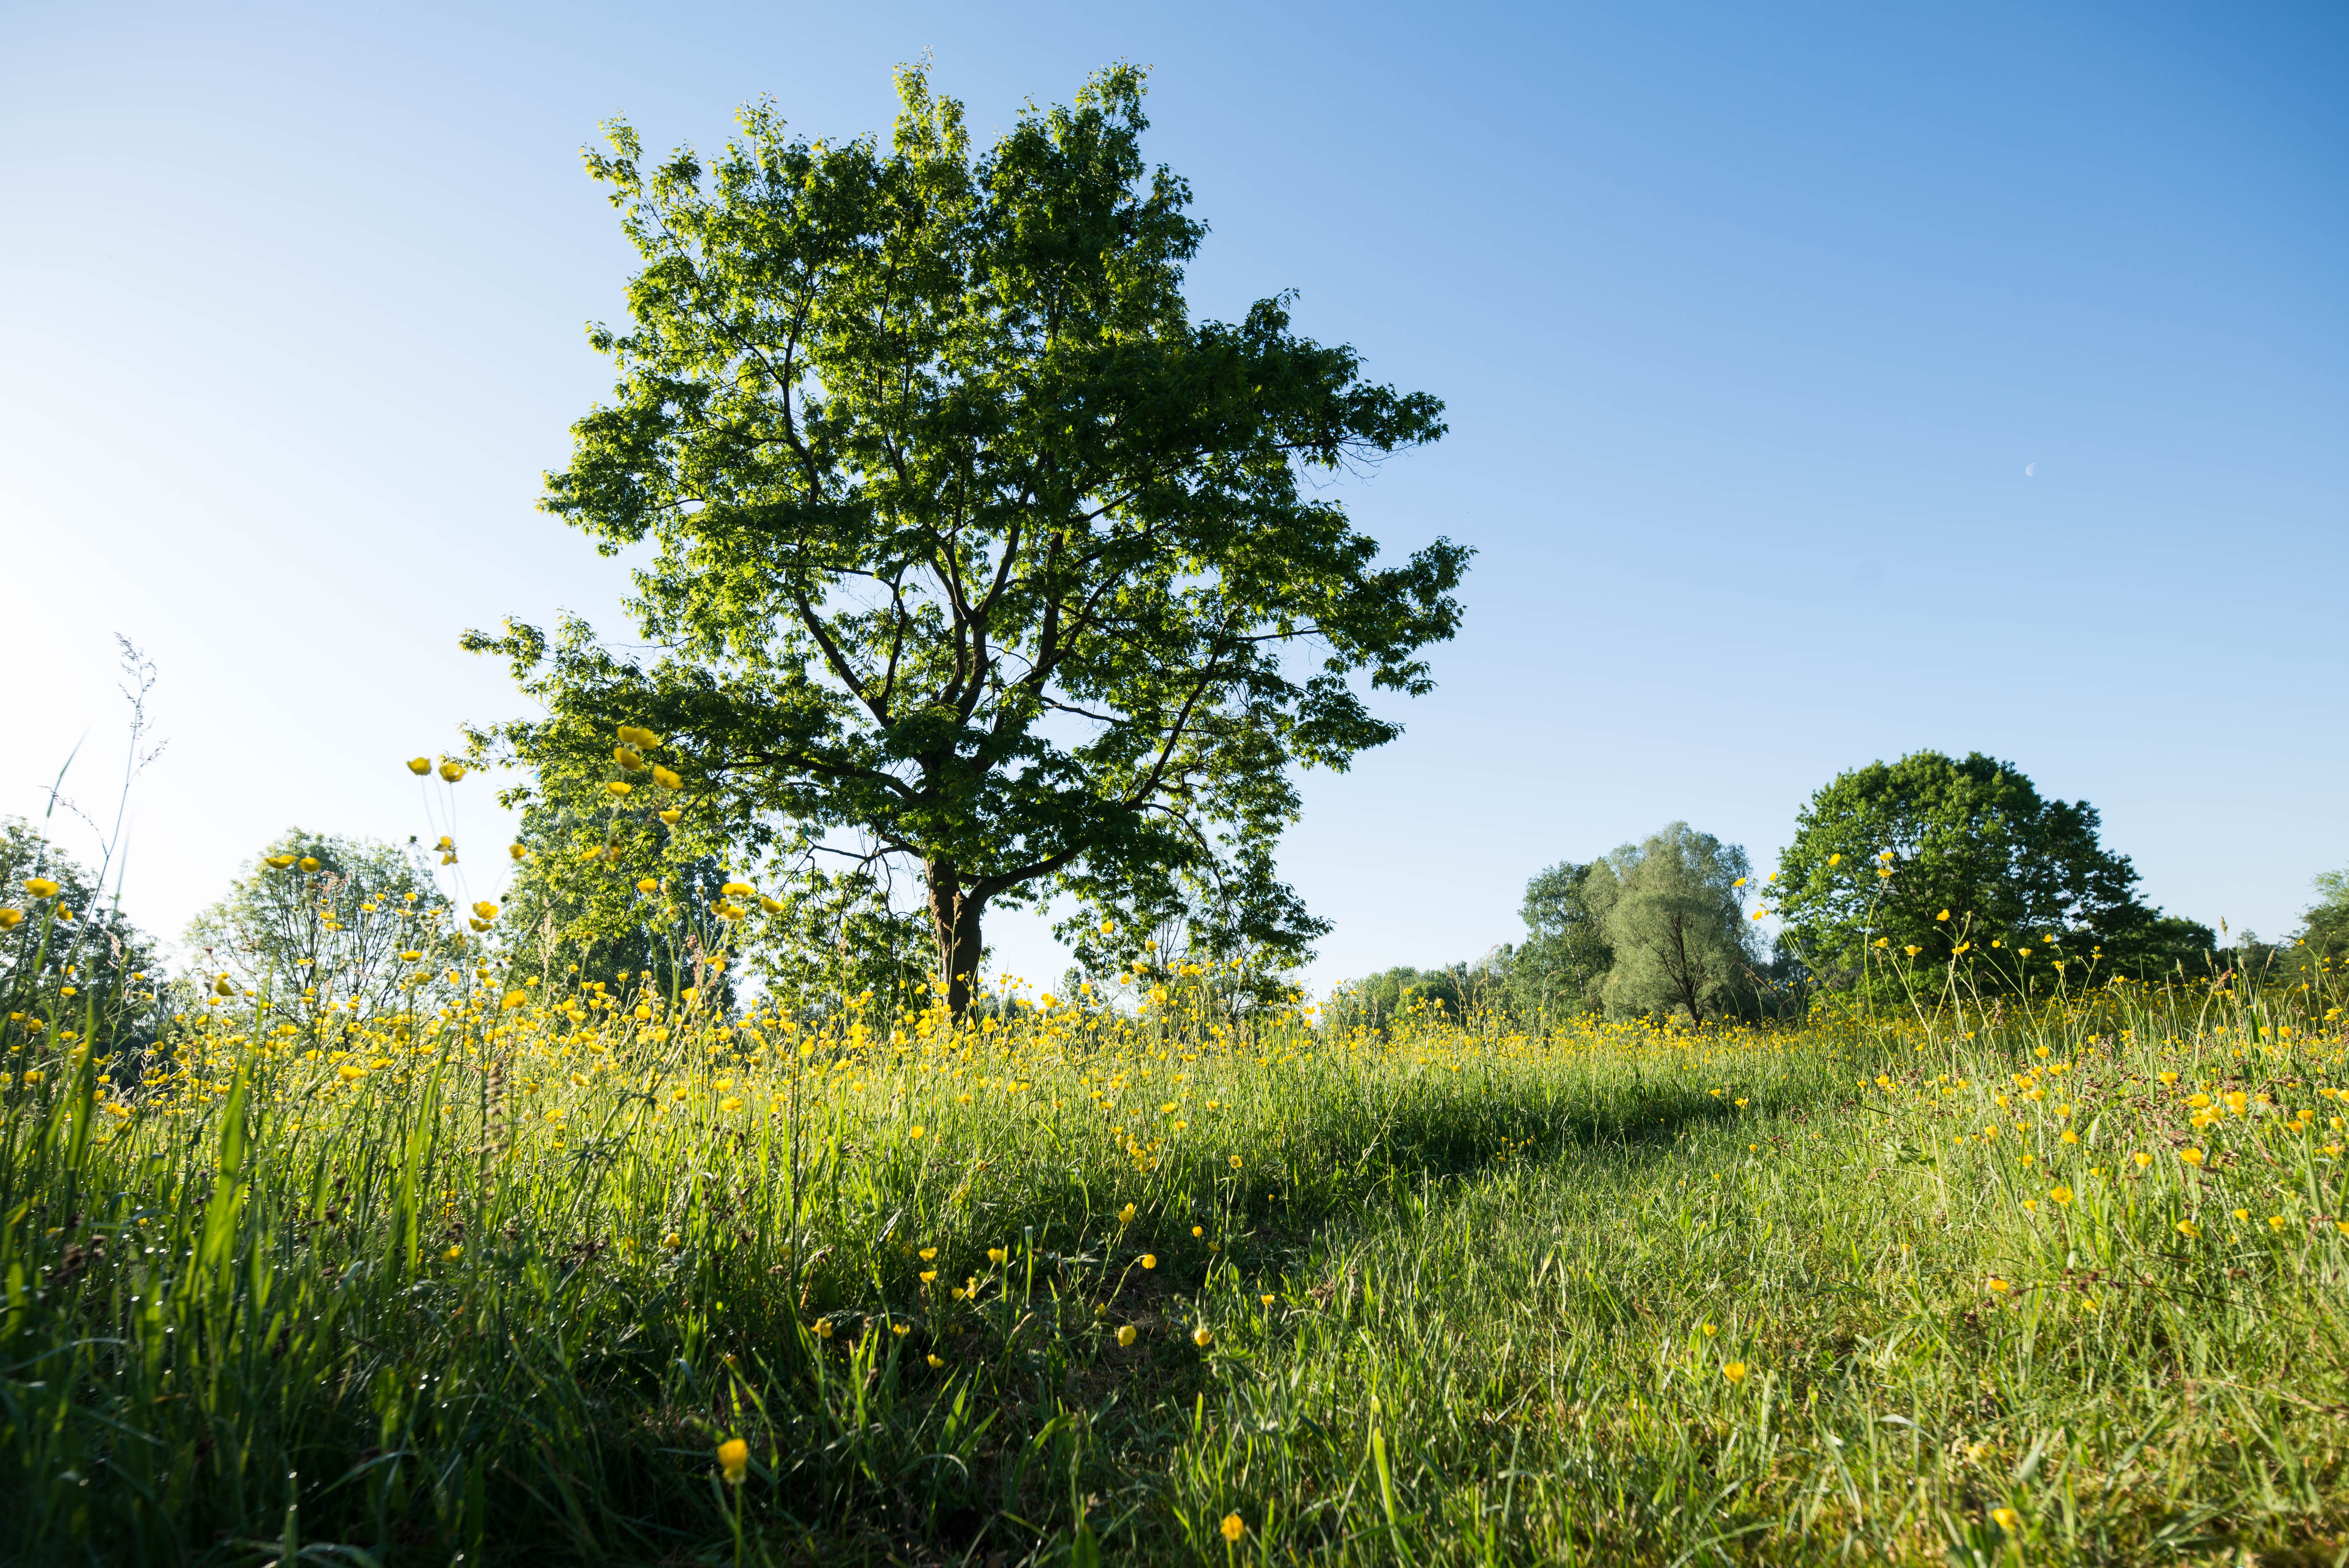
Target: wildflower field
536, 1271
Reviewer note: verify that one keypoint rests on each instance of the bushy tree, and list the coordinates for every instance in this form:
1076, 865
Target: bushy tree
1963, 859
2325, 930
1559, 970
1227, 913
966, 539
1670, 911
322, 922
72, 934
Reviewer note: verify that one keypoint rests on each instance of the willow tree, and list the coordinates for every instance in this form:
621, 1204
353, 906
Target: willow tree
965, 539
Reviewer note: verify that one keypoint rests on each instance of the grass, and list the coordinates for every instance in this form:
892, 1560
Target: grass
1062, 1286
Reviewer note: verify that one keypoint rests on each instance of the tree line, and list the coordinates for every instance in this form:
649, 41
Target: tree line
1901, 877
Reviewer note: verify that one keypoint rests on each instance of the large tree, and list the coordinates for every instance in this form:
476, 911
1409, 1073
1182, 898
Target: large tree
966, 541
1963, 859
1671, 914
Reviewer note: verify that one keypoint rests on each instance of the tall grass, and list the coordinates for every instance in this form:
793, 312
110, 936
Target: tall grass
1060, 1285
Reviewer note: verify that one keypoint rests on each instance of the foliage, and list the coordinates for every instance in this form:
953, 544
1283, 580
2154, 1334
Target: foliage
1670, 911
1940, 859
1559, 970
2324, 932
1227, 915
966, 539
74, 934
1057, 1283
296, 929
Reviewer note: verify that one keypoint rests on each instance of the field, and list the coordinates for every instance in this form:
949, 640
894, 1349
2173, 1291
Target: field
2051, 1280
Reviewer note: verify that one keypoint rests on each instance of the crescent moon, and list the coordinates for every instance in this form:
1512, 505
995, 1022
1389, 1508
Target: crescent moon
2029, 471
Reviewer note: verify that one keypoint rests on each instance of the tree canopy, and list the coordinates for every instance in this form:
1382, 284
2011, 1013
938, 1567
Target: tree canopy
966, 542
1672, 915
1962, 859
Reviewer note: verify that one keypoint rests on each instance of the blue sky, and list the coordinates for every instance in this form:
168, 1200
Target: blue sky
1749, 321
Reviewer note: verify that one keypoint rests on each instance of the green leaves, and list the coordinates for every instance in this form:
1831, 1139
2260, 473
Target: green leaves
966, 538
1884, 850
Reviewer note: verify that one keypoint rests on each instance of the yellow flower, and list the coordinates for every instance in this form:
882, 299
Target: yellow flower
2168, 1079
452, 771
824, 1328
1203, 1337
2142, 1160
667, 780
2187, 1228
10, 919
1265, 1299
41, 887
453, 1254
2275, 1222
917, 1129
1198, 1231
2242, 1213
929, 1276
2008, 1520
1999, 1286
1234, 1527
517, 850
1835, 860
1125, 1337
419, 765
734, 1460
513, 999
619, 786
900, 1329
929, 1252
1884, 870
671, 815
1125, 1216
1236, 1162
2060, 1194
1943, 915
1734, 1371
935, 1360
2191, 1156
1912, 950
627, 758
648, 884
1150, 1260
995, 1254
672, 1241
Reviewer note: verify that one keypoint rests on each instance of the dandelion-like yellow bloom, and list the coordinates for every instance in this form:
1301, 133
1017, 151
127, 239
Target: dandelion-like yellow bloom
1203, 1336
2188, 1229
2060, 1194
935, 1360
1943, 915
1234, 1527
1126, 1336
671, 815
665, 779
419, 765
619, 786
2191, 1156
517, 852
452, 771
453, 1254
734, 1461
1125, 1216
1734, 1370
41, 887
2008, 1520
10, 919
1150, 1260
916, 1130
2000, 1287
995, 1254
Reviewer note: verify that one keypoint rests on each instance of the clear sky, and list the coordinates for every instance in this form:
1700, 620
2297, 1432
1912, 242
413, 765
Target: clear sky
1825, 383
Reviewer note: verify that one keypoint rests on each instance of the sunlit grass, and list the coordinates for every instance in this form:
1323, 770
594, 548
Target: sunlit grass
2063, 1280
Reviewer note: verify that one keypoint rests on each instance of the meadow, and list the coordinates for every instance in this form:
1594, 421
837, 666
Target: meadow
548, 1271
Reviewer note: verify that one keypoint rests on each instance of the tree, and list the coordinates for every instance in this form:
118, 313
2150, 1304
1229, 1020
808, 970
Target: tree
1227, 915
1962, 859
1674, 921
2324, 932
1565, 958
967, 541
70, 934
322, 922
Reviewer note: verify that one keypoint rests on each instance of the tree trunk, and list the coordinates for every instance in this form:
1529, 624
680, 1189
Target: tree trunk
955, 912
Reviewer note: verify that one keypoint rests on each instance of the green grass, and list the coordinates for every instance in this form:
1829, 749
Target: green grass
1507, 1281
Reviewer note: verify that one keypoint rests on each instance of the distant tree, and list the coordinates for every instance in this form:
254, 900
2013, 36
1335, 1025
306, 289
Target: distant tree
2325, 930
73, 935
1673, 920
1228, 914
966, 538
1379, 1001
1940, 854
578, 901
322, 922
1559, 970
